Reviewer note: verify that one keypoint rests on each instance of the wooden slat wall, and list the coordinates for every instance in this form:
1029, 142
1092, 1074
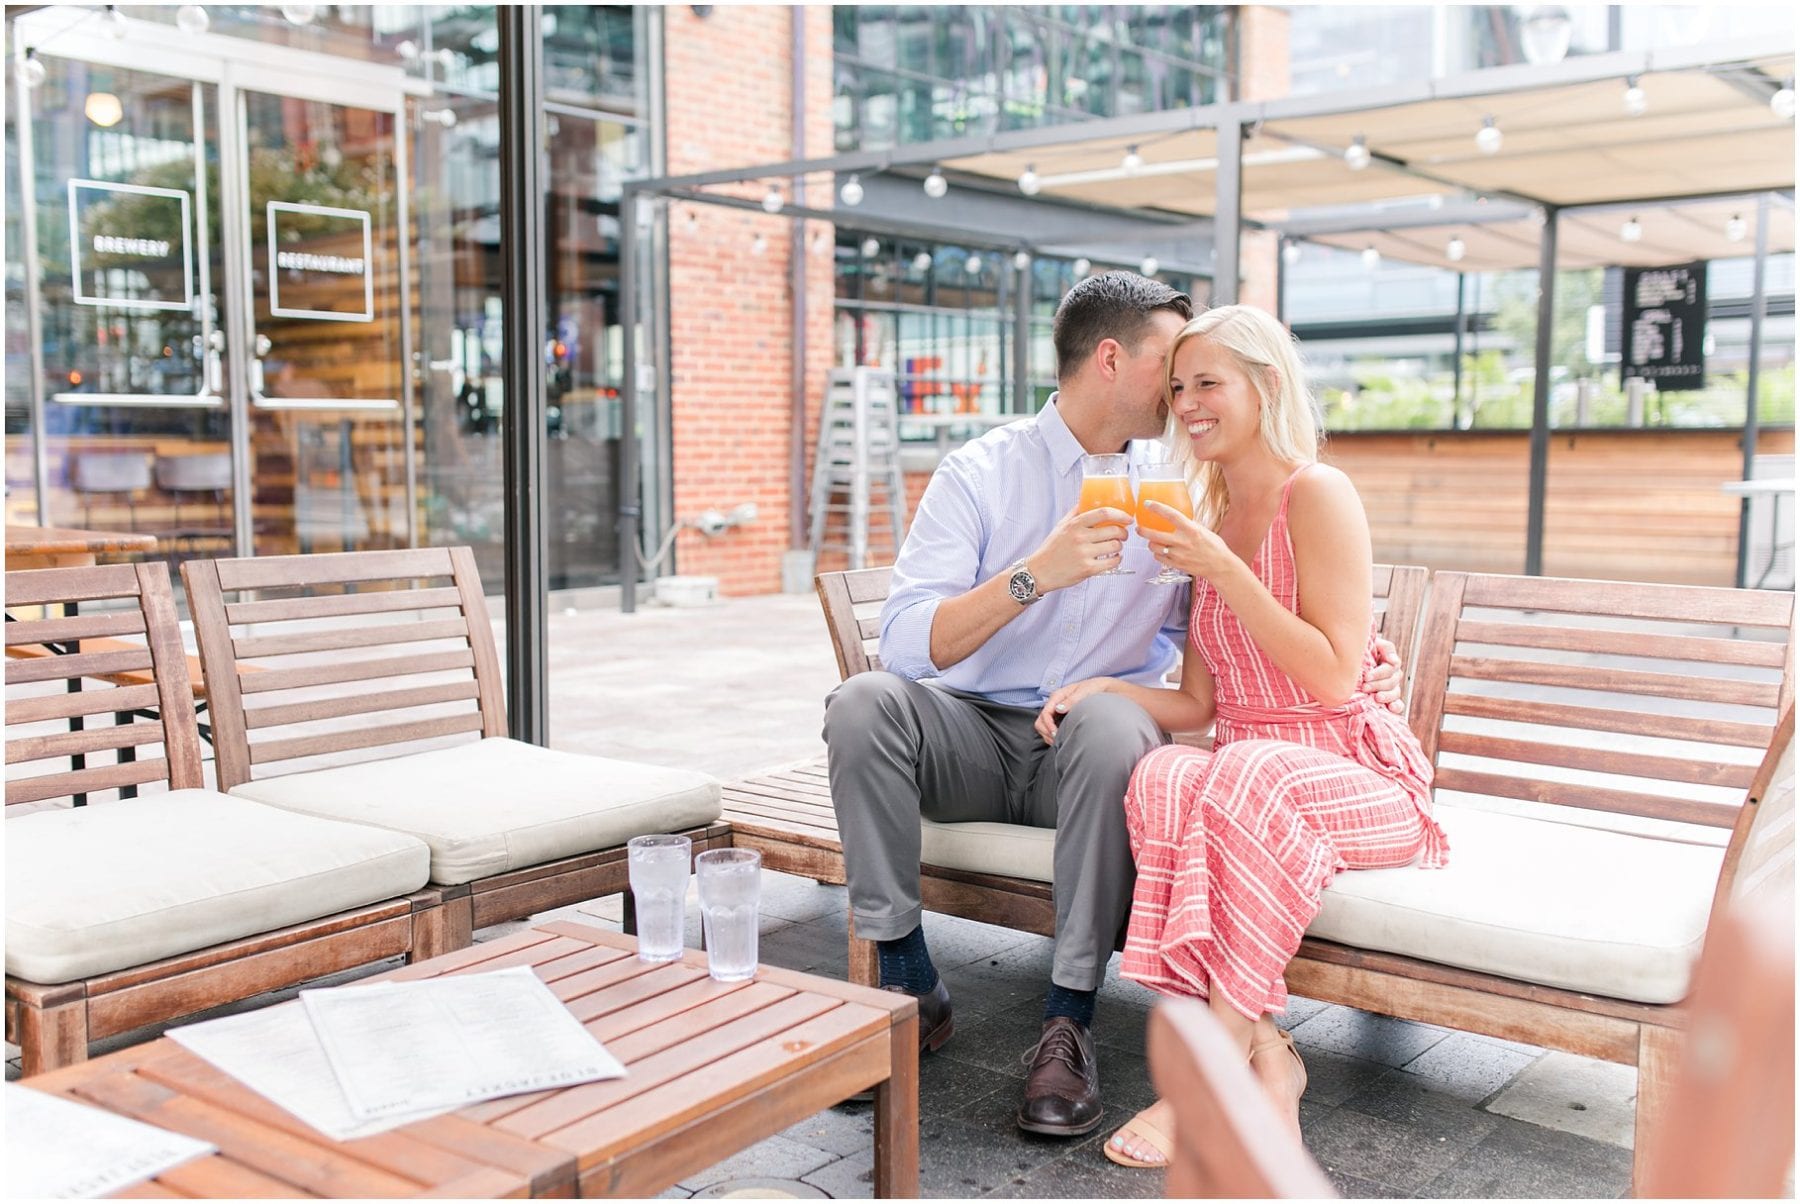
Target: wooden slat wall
1620, 505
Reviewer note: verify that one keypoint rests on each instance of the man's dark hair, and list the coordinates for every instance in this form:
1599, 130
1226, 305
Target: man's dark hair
1111, 305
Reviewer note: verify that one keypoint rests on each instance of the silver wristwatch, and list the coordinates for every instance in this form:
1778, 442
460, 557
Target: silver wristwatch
1022, 585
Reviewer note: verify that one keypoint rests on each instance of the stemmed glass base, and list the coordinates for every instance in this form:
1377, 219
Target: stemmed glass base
1169, 577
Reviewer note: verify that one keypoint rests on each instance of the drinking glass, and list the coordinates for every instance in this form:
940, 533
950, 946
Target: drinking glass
1165, 483
659, 882
1106, 482
730, 885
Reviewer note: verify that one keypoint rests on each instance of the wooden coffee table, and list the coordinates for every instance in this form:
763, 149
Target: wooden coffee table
712, 1068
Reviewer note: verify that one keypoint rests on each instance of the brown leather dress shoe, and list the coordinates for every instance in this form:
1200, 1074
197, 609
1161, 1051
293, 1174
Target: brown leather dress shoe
1062, 1094
935, 1022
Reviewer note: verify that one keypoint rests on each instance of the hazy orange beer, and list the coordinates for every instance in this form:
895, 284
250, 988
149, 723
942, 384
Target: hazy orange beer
1106, 482
1173, 494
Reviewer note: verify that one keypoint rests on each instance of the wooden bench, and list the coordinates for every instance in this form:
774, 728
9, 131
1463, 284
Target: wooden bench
53, 1021
787, 815
325, 689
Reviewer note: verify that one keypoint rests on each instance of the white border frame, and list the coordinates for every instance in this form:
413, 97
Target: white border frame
322, 315
187, 246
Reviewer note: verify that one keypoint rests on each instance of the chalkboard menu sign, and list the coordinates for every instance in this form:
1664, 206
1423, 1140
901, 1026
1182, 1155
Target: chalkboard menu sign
1665, 326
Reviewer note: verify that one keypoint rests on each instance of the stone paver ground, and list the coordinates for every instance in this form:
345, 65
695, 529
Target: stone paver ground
1394, 1109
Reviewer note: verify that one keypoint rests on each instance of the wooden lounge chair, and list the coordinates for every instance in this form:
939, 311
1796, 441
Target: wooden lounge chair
388, 652
133, 912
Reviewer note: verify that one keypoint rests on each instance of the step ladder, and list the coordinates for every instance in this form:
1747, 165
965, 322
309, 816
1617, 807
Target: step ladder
857, 464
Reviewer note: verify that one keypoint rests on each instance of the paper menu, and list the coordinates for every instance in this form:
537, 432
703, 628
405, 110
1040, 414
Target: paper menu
275, 1052
401, 1047
60, 1149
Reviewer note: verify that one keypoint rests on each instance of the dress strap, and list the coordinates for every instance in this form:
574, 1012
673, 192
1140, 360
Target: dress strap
1288, 485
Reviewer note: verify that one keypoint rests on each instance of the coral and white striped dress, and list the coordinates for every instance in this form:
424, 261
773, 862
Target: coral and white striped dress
1234, 846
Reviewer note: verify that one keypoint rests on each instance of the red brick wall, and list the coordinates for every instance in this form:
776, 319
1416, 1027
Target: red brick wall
1263, 74
728, 83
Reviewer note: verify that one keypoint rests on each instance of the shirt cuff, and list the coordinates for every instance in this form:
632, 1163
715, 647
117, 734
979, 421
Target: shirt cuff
906, 644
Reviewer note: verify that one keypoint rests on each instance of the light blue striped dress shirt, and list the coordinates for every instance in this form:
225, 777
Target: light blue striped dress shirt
992, 502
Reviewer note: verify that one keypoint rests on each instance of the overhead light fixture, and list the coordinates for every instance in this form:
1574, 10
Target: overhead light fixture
935, 185
758, 245
112, 23
1028, 181
1635, 101
972, 265
1022, 260
922, 262
1082, 267
1370, 257
1540, 217
693, 219
852, 191
1455, 249
771, 201
817, 243
1781, 101
1632, 230
1148, 266
1132, 162
1488, 138
191, 19
1356, 155
103, 109
1544, 34
1290, 252
300, 14
32, 70
1736, 228
871, 248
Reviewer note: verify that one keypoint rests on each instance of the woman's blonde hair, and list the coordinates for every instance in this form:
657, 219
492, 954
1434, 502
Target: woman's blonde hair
1266, 353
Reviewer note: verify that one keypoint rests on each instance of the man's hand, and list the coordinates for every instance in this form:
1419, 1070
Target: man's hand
1082, 545
1386, 678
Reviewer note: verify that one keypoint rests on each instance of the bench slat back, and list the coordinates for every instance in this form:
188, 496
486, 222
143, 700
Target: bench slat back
1639, 700
57, 708
852, 600
318, 656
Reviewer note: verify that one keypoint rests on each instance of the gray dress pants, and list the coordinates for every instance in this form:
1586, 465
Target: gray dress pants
900, 749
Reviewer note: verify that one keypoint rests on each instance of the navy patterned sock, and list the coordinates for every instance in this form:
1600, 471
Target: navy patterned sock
1076, 1005
905, 963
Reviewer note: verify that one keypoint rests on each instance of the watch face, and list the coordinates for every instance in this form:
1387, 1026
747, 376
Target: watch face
1022, 587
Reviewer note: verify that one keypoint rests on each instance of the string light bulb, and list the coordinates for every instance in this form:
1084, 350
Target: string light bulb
300, 14
1736, 228
972, 265
1455, 249
935, 185
1082, 267
1022, 260
871, 248
1132, 162
192, 19
1356, 155
1290, 252
771, 202
1488, 138
32, 70
112, 23
1028, 181
1781, 101
1370, 257
1148, 266
1632, 230
852, 191
922, 262
1635, 101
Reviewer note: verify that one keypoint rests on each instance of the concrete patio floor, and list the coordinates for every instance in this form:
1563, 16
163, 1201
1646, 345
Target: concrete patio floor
1394, 1109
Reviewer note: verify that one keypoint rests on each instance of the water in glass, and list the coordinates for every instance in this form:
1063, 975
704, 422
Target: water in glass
730, 886
659, 882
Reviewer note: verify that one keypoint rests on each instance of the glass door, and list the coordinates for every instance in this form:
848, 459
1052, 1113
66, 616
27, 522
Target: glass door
326, 325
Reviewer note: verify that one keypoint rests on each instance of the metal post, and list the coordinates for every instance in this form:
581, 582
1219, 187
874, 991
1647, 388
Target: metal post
1227, 212
1281, 246
1456, 362
1540, 396
34, 290
797, 268
1021, 380
629, 448
1759, 304
522, 234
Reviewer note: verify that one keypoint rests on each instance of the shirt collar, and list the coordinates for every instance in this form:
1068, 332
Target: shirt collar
1065, 450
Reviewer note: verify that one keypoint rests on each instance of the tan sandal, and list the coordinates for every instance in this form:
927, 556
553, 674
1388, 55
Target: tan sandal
1283, 1037
1146, 1131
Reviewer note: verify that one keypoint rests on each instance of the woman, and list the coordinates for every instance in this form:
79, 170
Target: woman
1307, 775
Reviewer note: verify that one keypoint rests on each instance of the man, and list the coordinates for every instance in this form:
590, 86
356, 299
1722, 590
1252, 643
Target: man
997, 598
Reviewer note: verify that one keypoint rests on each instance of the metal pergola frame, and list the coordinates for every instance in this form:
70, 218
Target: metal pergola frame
1232, 120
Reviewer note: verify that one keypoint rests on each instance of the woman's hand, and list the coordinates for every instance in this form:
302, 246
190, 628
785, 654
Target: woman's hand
1064, 700
1190, 548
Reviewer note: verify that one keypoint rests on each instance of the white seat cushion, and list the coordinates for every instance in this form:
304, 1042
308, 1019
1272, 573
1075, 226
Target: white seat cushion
114, 885
497, 805
988, 848
1565, 906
